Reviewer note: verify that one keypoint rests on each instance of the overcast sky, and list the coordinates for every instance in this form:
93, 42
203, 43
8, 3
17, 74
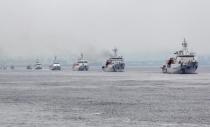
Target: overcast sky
136, 27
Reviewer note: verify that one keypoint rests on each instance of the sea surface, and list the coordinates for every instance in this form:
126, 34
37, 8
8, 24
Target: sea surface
138, 97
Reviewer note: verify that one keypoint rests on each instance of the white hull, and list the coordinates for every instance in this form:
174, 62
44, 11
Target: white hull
80, 68
54, 68
38, 68
111, 68
181, 69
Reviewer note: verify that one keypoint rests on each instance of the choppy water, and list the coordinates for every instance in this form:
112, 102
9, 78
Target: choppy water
139, 97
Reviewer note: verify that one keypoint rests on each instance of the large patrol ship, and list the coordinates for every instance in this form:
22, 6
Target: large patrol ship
114, 63
184, 62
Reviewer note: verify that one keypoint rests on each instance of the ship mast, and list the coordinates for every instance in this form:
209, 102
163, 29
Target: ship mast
81, 56
185, 46
55, 59
115, 52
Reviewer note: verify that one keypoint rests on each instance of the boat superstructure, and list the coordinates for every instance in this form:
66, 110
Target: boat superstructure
81, 64
56, 65
184, 62
114, 63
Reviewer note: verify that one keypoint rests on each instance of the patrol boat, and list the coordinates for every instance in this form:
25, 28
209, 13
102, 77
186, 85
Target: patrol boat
38, 65
114, 63
81, 64
28, 67
56, 65
184, 62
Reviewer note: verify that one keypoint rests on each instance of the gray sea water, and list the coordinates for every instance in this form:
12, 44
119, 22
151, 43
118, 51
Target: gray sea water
139, 97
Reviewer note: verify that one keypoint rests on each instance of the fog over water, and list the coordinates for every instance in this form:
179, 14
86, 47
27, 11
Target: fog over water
139, 28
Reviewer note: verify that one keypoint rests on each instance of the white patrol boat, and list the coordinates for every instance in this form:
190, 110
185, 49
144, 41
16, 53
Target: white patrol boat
38, 65
56, 65
183, 63
114, 63
81, 64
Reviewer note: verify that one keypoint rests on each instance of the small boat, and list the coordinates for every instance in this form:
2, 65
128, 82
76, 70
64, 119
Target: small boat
38, 65
3, 67
184, 62
81, 64
28, 67
115, 63
56, 65
12, 67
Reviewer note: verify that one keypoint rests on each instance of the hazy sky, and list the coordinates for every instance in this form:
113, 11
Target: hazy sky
136, 27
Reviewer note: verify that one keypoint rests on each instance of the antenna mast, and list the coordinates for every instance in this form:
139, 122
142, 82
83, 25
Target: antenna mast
115, 52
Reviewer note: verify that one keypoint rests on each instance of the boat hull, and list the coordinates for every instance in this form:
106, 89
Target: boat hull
181, 69
56, 68
38, 68
81, 68
114, 68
